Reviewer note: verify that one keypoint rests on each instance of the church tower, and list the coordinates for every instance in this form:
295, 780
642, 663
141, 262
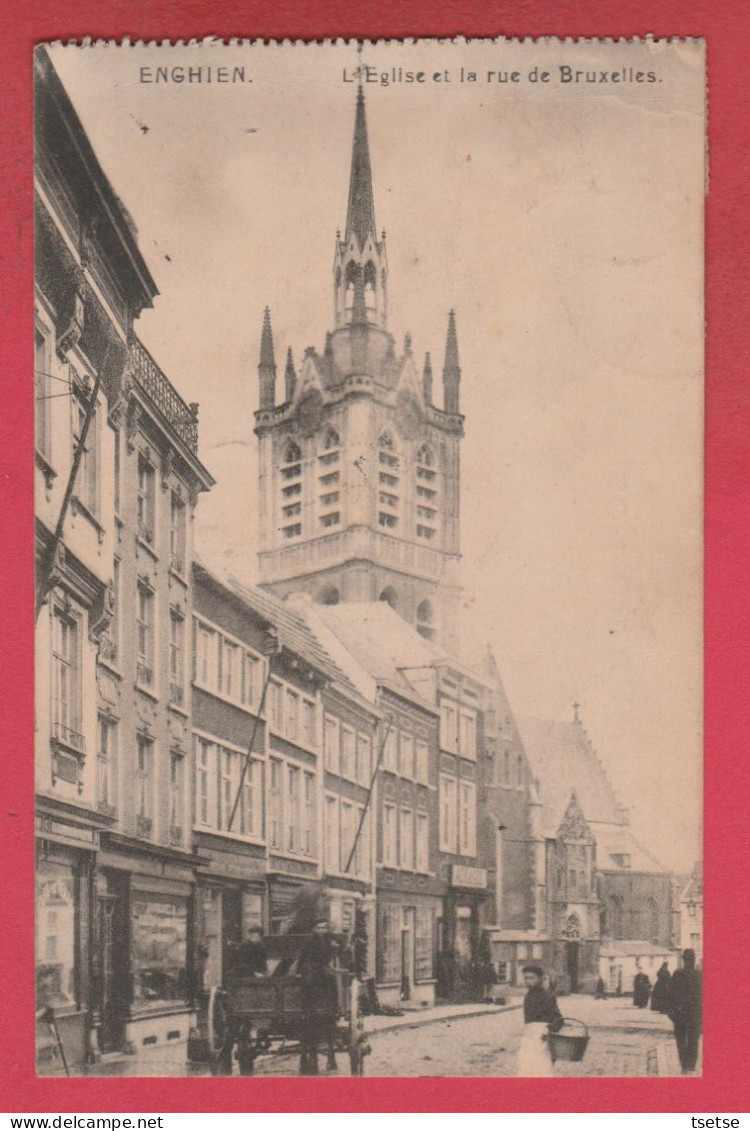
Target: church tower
359, 469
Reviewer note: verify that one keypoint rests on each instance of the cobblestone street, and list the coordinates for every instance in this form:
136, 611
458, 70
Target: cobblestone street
624, 1041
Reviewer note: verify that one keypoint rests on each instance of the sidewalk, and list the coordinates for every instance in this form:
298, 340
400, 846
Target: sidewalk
425, 1016
171, 1060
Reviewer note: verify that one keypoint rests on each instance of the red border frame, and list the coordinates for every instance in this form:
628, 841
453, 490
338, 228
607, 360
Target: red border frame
726, 28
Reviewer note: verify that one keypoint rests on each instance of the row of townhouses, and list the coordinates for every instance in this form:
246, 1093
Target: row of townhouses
206, 750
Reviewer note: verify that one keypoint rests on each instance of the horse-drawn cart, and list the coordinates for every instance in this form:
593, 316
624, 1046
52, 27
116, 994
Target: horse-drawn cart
267, 1014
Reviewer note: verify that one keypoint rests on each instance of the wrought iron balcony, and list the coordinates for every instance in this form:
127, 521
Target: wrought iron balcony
144, 675
107, 649
183, 418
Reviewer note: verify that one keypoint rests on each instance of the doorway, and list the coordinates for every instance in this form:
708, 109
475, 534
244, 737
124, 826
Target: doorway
407, 952
231, 925
112, 941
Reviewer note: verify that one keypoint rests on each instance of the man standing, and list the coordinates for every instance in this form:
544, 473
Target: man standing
641, 989
318, 998
686, 1011
541, 1015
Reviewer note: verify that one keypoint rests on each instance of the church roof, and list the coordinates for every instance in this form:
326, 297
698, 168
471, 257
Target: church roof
614, 846
383, 644
360, 216
563, 761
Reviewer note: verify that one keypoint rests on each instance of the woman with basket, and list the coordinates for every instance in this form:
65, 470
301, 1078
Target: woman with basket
541, 1017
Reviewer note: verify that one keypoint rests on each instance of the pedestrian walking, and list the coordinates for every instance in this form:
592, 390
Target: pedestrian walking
641, 990
318, 998
541, 1015
662, 992
686, 1011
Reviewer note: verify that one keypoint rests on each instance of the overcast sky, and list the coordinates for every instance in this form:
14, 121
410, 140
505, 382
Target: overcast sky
564, 225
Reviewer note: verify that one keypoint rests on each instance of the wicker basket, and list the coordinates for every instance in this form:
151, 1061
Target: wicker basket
570, 1042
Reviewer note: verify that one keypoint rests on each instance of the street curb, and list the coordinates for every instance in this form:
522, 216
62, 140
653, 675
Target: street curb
420, 1020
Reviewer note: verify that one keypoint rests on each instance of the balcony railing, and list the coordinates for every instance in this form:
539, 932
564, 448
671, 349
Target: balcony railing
183, 418
107, 649
144, 675
176, 694
69, 737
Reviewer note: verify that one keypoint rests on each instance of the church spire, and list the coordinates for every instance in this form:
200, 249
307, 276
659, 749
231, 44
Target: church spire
267, 364
360, 215
290, 376
451, 368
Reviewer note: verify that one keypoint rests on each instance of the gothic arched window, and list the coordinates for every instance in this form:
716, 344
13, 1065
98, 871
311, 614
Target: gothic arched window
290, 475
390, 596
371, 278
426, 500
350, 278
329, 476
389, 483
614, 917
425, 620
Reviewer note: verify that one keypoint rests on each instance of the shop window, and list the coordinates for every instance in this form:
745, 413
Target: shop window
389, 943
56, 935
159, 949
424, 944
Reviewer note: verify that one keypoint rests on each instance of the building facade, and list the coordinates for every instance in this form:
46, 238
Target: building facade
116, 870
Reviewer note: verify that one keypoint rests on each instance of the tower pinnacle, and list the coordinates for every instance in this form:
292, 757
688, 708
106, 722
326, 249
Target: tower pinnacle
360, 216
267, 364
451, 368
290, 376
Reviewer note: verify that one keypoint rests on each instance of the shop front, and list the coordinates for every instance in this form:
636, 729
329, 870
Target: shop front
144, 938
406, 947
63, 881
459, 943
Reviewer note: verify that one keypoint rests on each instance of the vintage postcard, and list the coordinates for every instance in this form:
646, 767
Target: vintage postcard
369, 417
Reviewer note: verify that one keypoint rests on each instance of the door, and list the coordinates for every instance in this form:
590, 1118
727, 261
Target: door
112, 942
572, 962
407, 952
